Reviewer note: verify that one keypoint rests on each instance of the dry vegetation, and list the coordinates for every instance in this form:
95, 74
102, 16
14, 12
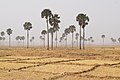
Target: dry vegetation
61, 64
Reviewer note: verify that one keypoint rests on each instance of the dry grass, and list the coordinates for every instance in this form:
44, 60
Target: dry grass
60, 64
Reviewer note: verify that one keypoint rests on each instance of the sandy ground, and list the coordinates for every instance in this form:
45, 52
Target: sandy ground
61, 64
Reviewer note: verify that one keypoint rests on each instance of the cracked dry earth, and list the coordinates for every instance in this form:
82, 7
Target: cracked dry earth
72, 64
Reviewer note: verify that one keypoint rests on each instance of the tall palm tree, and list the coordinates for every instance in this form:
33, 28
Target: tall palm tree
66, 31
54, 21
83, 21
44, 32
51, 30
77, 34
103, 37
27, 26
9, 32
46, 13
72, 29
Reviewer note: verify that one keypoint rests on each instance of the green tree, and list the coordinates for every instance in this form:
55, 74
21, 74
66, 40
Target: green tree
27, 26
46, 13
9, 32
72, 29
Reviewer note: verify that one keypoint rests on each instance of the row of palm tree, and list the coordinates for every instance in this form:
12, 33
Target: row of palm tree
9, 32
53, 21
20, 38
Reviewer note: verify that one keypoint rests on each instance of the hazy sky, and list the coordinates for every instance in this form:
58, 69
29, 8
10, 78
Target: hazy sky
104, 16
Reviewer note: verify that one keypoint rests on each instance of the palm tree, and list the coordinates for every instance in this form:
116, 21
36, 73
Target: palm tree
33, 40
92, 41
2, 34
89, 39
83, 21
9, 32
119, 40
17, 39
54, 21
77, 34
41, 38
47, 14
3, 40
27, 26
44, 32
66, 31
0, 40
23, 38
113, 40
72, 29
51, 30
103, 37
61, 39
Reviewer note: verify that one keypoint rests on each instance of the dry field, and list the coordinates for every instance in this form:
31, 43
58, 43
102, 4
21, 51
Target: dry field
61, 64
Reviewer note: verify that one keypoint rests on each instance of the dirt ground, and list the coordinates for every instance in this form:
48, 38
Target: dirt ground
94, 63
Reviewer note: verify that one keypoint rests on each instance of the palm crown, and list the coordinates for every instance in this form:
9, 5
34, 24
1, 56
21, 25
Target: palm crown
9, 31
44, 32
103, 36
72, 28
46, 13
67, 31
82, 19
27, 26
2, 33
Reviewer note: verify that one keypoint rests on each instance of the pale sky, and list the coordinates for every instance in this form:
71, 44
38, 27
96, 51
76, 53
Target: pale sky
104, 16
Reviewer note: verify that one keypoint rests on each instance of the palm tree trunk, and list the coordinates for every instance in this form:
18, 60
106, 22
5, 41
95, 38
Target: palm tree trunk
44, 40
66, 41
47, 34
56, 39
83, 38
27, 38
52, 41
77, 42
80, 37
72, 40
9, 41
103, 41
23, 43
